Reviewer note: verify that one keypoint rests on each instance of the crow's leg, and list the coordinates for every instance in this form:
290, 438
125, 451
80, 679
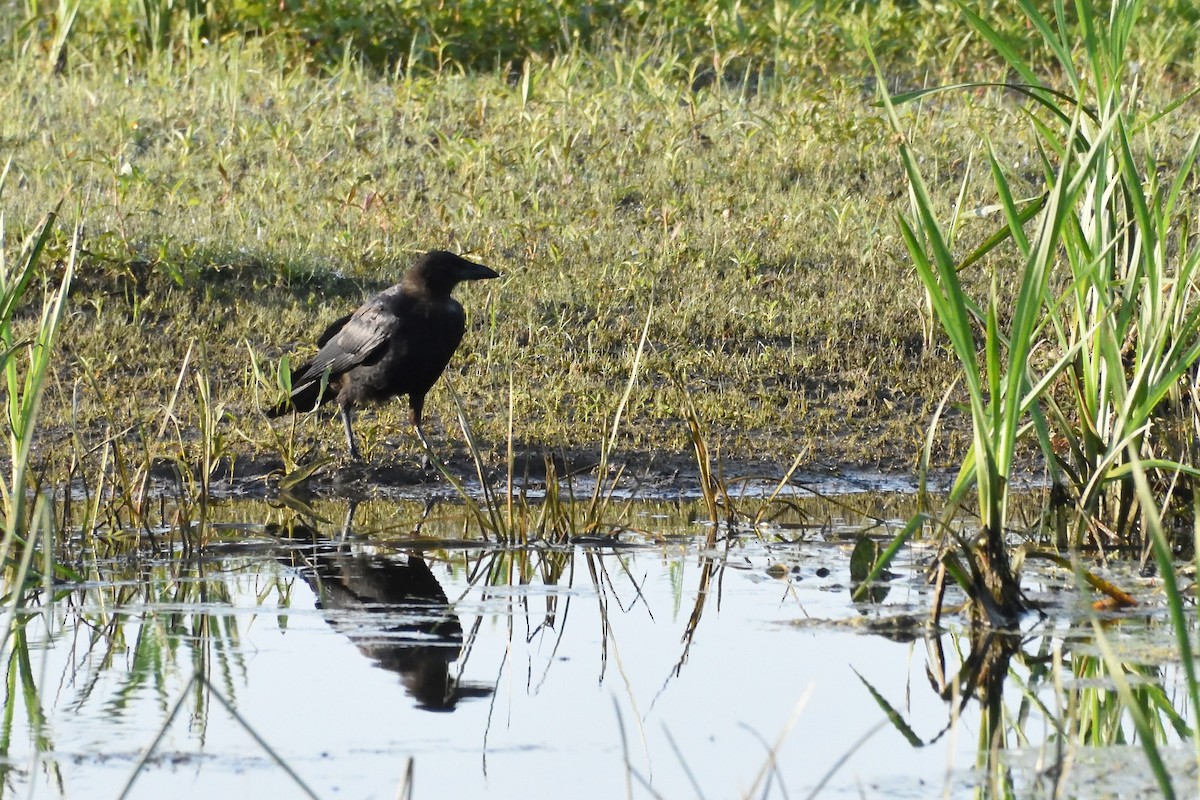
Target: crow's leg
350, 443
416, 405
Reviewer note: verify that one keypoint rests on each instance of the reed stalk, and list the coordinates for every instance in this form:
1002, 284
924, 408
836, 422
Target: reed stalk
1103, 330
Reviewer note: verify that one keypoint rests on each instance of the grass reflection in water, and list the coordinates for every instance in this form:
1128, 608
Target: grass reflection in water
770, 680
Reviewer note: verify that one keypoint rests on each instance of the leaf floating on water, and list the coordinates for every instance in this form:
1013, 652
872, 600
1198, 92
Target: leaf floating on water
865, 554
862, 561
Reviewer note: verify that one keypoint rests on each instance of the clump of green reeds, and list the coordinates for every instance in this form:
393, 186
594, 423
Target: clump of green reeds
26, 355
1103, 328
26, 358
1094, 361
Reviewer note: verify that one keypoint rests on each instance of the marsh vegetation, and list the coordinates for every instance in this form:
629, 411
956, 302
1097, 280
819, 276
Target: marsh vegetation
743, 251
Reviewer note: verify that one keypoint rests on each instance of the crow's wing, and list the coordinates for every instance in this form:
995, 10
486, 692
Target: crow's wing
332, 330
351, 341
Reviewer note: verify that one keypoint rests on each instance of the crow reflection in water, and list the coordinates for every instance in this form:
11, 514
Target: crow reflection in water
417, 636
398, 342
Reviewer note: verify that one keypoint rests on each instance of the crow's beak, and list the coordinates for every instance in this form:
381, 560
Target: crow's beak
476, 272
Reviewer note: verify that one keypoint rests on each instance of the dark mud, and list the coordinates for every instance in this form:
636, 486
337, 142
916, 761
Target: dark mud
646, 476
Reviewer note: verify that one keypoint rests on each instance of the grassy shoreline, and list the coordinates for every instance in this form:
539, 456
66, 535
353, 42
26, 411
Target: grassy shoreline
241, 202
794, 275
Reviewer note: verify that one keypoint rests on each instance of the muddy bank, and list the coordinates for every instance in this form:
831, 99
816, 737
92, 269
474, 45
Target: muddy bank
648, 476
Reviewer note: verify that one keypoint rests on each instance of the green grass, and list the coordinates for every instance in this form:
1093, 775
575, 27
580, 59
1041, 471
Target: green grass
396, 35
239, 197
262, 202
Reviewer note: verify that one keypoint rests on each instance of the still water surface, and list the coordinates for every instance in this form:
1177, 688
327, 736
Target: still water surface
528, 673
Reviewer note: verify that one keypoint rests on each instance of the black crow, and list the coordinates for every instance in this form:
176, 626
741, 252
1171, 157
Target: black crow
398, 342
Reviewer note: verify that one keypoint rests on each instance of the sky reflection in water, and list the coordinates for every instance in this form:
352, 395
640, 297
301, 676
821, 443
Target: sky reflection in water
522, 689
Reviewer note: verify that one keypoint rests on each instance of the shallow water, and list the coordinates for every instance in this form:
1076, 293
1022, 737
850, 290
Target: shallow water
578, 671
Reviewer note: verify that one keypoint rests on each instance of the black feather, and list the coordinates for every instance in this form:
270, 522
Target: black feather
398, 342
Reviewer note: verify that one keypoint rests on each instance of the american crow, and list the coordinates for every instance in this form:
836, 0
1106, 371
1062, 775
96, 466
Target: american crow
398, 342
